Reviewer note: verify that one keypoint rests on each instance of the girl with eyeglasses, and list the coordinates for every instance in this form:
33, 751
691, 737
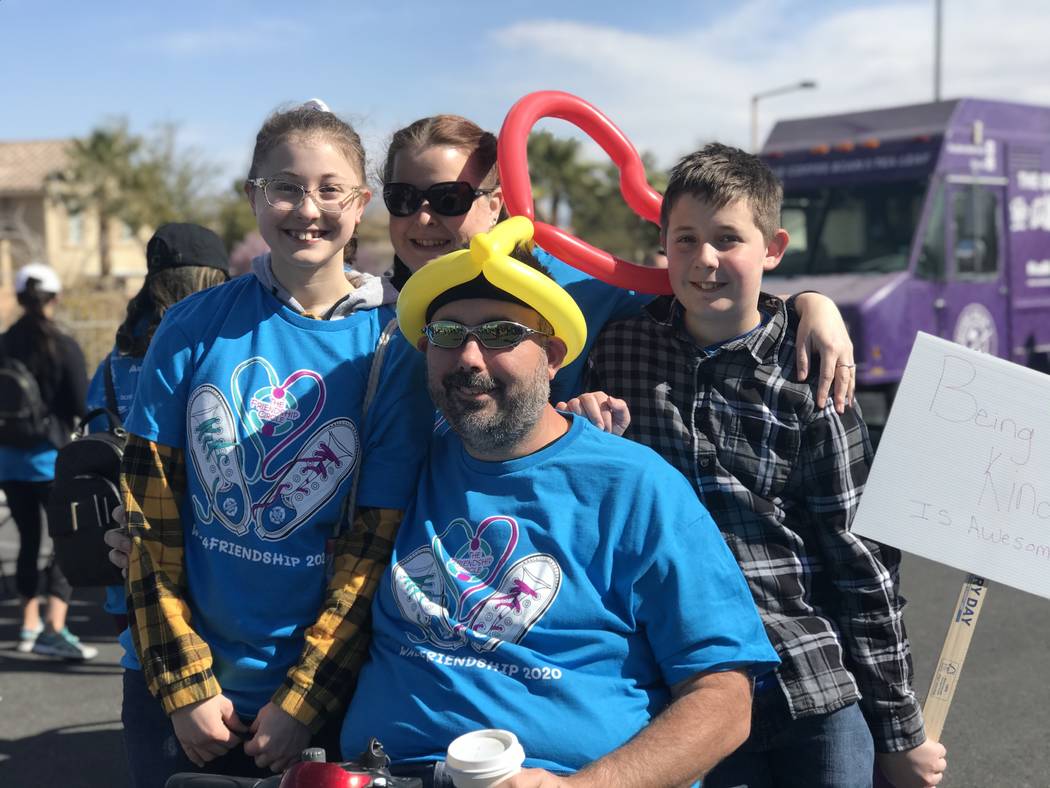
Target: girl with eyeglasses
441, 187
248, 434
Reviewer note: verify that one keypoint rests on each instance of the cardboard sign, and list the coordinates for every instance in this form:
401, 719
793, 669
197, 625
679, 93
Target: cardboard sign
962, 474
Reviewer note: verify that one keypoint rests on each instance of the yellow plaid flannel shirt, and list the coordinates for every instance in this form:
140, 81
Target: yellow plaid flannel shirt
176, 662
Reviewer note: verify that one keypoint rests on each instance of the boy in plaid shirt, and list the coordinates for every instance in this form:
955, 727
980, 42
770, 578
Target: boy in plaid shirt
710, 378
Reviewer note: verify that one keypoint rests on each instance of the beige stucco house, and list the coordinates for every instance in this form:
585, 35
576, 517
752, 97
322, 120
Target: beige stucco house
35, 225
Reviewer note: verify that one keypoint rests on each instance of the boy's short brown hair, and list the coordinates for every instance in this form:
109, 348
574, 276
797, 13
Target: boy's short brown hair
720, 174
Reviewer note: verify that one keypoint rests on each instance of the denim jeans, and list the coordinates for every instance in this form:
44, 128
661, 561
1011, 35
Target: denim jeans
154, 754
824, 751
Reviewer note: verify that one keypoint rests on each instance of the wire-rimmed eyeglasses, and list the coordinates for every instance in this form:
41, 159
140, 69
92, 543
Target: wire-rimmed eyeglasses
288, 195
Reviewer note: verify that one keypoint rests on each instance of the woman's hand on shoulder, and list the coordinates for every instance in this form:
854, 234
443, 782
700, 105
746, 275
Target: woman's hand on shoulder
822, 331
604, 412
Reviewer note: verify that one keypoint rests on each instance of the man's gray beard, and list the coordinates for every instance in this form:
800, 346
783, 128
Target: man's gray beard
515, 417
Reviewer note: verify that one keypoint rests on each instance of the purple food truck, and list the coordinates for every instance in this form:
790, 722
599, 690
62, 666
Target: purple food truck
931, 217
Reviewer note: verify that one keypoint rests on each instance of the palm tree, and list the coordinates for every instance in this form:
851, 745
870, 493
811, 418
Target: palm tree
556, 172
591, 192
600, 215
170, 182
102, 176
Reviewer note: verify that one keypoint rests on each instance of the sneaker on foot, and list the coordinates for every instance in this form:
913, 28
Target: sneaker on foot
64, 645
27, 639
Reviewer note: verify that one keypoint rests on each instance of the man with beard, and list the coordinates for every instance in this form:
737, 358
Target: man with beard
550, 578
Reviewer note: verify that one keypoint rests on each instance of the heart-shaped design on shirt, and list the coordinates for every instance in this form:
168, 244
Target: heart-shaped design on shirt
642, 198
269, 409
473, 557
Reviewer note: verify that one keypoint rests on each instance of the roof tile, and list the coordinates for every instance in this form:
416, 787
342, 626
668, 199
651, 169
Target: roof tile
24, 165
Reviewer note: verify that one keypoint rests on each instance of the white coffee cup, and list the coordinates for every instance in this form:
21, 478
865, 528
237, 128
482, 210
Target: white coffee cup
482, 759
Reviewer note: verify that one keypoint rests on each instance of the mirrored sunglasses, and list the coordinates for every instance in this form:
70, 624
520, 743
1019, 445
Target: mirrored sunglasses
450, 198
495, 335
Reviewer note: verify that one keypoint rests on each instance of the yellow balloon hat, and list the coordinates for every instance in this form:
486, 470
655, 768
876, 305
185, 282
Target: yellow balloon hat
489, 256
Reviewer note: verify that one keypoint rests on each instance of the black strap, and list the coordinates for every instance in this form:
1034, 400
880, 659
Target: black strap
400, 274
328, 315
346, 518
111, 392
115, 424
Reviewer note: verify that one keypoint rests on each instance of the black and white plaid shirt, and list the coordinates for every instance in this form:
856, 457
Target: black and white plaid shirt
782, 478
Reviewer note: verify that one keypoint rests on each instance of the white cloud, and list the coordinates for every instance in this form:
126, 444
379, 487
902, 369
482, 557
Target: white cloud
668, 92
205, 42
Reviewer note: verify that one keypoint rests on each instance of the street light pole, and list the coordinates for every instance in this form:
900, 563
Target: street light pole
938, 25
806, 84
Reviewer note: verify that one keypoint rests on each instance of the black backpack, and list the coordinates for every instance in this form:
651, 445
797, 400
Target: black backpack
85, 492
24, 418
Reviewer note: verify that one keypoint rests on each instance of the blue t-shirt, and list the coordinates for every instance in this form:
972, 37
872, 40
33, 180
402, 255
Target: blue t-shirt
125, 378
125, 371
28, 465
266, 404
557, 595
600, 303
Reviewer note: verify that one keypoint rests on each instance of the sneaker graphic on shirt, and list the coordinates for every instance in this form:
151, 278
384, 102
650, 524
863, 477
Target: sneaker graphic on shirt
526, 591
216, 458
312, 479
418, 585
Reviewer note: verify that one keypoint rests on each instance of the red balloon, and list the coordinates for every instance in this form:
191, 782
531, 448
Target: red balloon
643, 199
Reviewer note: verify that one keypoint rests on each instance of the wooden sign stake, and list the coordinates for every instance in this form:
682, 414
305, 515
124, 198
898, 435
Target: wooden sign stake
950, 662
953, 654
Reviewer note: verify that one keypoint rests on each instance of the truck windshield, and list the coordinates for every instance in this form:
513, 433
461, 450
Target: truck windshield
853, 229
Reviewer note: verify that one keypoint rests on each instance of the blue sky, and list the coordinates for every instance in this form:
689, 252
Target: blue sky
671, 74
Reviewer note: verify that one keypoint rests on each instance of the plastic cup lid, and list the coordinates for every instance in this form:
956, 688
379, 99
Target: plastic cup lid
485, 750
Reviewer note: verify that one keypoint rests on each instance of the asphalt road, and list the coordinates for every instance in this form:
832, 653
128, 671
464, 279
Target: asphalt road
60, 722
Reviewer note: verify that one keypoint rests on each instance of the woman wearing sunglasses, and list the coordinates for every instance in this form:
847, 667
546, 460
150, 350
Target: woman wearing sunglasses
441, 187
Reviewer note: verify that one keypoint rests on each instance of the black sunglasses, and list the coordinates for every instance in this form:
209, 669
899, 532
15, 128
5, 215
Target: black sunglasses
495, 335
450, 198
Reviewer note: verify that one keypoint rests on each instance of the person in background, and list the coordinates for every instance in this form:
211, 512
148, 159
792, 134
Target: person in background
180, 259
56, 363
